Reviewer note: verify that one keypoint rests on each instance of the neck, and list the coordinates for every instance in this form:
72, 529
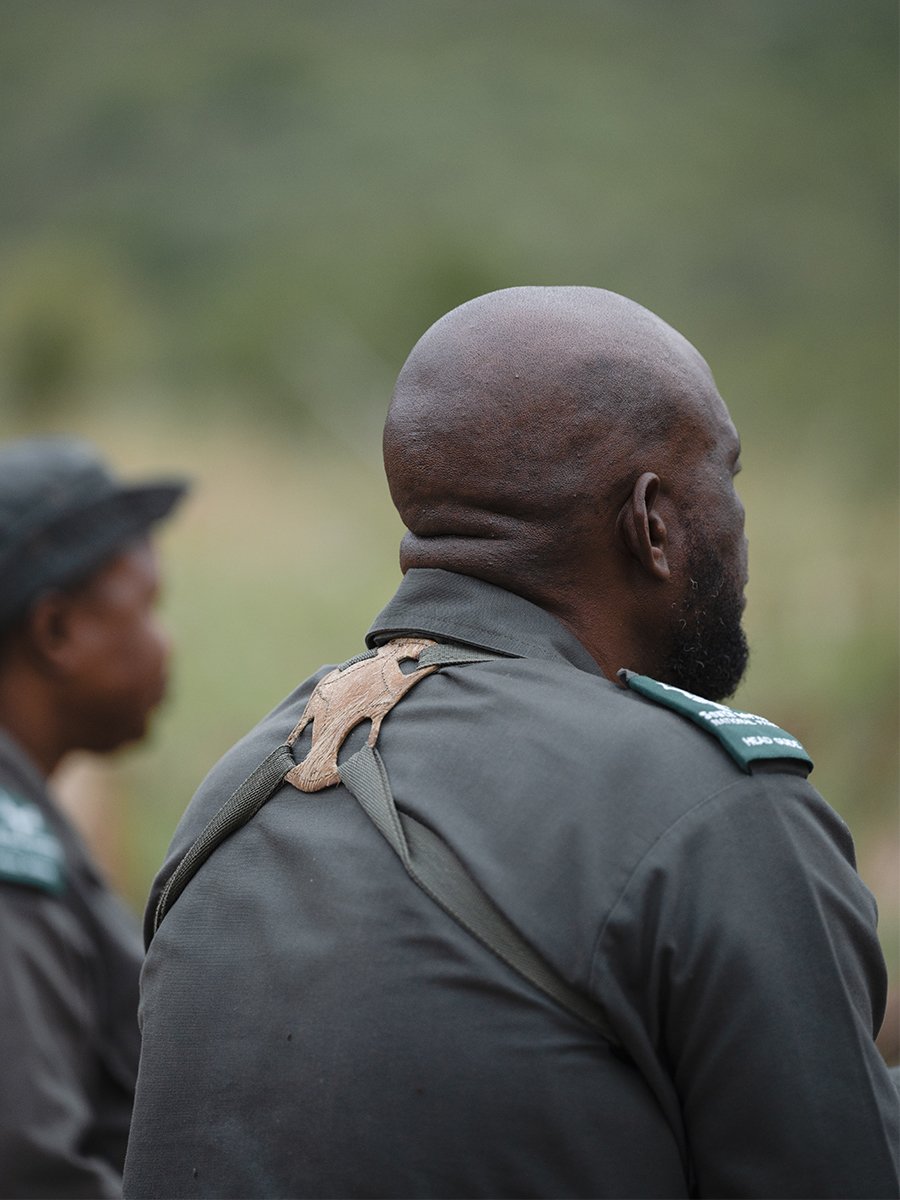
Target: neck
600, 609
610, 625
29, 720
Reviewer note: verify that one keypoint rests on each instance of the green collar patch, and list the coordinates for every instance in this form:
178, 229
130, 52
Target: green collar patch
745, 736
30, 853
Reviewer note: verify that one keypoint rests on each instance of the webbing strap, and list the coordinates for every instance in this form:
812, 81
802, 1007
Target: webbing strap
249, 797
427, 859
446, 654
432, 865
244, 803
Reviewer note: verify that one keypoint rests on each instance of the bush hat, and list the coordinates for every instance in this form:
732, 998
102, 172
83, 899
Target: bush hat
63, 513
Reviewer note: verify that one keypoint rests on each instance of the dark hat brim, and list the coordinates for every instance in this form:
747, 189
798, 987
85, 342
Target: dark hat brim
80, 541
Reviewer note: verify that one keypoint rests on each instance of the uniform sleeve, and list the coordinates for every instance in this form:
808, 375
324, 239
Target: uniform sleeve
47, 1048
753, 953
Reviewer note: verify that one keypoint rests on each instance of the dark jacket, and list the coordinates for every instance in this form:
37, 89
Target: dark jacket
314, 1025
70, 956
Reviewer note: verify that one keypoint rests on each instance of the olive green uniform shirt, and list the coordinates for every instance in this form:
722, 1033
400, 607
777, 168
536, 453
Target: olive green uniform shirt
70, 956
314, 1025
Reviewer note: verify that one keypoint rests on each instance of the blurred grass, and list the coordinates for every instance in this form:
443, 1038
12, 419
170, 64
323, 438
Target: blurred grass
274, 200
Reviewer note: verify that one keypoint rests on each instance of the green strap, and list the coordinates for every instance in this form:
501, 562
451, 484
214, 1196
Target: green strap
428, 860
244, 803
446, 654
432, 865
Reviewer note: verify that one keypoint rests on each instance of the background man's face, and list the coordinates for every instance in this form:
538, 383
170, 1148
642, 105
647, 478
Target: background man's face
124, 650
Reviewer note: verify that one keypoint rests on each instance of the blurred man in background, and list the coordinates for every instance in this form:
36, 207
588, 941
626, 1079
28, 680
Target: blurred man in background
82, 665
674, 981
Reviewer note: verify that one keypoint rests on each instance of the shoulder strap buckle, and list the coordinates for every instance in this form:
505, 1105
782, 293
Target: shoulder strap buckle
365, 689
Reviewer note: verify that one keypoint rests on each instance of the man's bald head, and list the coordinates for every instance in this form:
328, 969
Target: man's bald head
522, 415
569, 446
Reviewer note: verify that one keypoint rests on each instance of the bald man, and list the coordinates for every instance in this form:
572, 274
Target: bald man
511, 904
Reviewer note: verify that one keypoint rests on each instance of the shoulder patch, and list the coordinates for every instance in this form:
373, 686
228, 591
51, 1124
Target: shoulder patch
30, 853
745, 736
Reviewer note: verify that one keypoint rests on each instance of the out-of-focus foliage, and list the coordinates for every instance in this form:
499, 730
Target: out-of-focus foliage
274, 199
222, 226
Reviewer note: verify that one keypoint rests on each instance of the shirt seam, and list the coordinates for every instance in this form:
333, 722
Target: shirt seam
670, 829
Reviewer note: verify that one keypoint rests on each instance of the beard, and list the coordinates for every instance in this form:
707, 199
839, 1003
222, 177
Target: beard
708, 651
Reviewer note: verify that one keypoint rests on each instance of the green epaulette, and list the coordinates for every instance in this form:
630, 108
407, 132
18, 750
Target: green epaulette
30, 853
746, 736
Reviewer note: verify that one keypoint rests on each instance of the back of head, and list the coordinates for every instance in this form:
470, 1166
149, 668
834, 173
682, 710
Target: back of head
517, 421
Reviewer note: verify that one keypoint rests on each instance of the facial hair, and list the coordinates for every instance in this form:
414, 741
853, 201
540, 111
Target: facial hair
708, 649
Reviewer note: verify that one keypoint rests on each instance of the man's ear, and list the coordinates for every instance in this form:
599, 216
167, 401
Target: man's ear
642, 528
50, 633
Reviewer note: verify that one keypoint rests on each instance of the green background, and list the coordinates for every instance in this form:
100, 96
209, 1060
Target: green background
223, 225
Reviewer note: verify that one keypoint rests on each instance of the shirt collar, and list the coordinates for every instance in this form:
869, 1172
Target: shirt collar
459, 608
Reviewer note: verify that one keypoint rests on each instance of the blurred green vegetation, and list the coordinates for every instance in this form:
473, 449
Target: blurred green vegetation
223, 225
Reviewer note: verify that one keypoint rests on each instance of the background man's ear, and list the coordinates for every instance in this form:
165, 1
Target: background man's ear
642, 528
49, 632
